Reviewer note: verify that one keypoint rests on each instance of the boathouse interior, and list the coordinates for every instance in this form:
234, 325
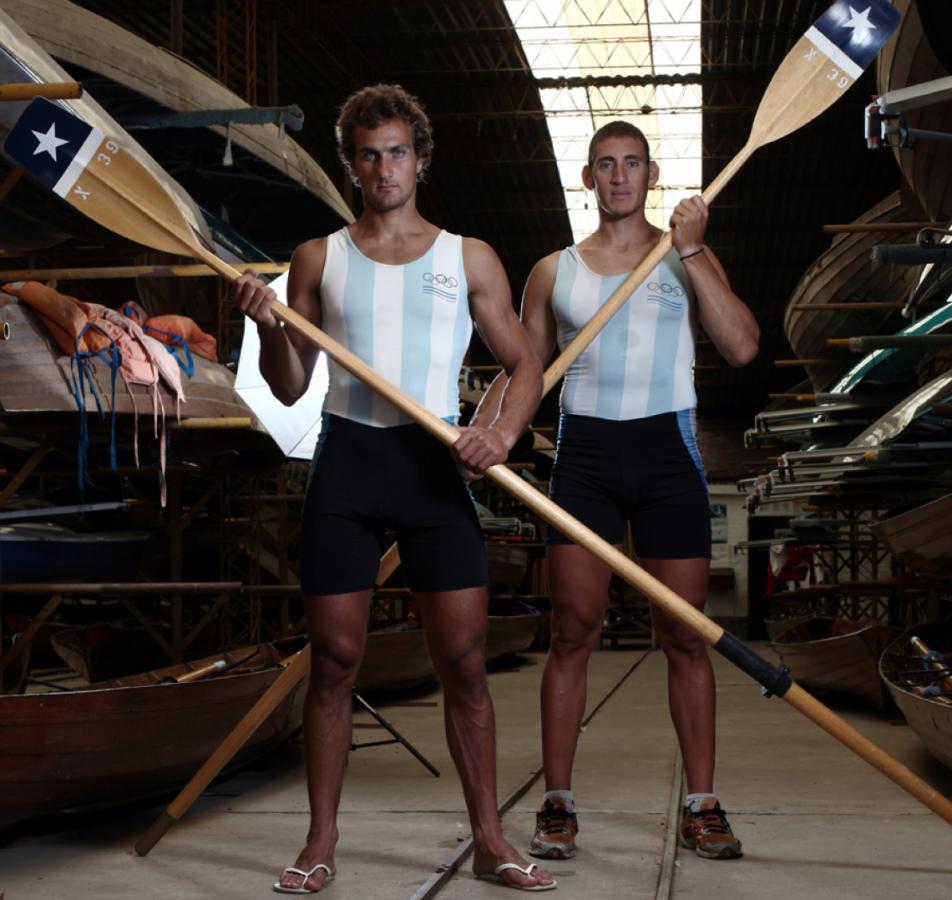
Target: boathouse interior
150, 551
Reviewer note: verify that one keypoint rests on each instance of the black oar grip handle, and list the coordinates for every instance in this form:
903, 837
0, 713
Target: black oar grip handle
775, 679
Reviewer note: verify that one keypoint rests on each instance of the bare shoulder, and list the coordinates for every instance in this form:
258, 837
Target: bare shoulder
310, 253
483, 267
541, 279
477, 252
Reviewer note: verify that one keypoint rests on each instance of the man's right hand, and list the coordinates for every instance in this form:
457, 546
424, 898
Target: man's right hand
254, 298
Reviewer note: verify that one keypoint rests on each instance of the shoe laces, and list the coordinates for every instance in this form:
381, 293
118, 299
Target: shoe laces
553, 819
712, 821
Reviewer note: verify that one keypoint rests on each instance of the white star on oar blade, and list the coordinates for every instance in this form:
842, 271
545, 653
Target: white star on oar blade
859, 22
47, 143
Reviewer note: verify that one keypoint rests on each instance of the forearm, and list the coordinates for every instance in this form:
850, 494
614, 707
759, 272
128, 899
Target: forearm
488, 408
280, 365
514, 398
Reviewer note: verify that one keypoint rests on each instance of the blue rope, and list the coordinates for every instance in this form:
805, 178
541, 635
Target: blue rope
188, 367
81, 376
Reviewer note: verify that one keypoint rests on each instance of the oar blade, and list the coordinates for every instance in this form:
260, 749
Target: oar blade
823, 65
98, 177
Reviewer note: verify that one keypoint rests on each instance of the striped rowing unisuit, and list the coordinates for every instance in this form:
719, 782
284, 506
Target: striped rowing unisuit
642, 362
410, 323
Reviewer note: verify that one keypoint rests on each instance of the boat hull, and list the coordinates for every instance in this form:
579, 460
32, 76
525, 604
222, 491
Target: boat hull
922, 537
395, 659
512, 629
835, 656
134, 737
929, 718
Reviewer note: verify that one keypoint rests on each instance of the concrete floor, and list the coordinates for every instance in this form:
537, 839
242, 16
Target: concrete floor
816, 821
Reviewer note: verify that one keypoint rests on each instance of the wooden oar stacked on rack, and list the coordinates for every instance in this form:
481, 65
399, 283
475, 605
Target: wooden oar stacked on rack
113, 189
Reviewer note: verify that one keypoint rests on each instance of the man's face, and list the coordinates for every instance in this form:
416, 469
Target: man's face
385, 164
620, 176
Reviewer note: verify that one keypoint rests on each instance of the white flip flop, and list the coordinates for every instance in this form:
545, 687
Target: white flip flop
496, 877
303, 889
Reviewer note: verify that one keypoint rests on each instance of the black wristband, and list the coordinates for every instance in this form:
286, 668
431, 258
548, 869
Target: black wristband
689, 255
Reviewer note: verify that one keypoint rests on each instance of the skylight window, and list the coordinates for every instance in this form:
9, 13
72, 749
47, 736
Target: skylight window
596, 61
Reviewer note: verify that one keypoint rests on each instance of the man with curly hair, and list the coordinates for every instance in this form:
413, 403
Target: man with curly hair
401, 294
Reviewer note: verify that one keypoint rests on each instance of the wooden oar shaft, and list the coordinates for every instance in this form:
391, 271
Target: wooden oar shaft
621, 294
848, 307
654, 590
296, 670
862, 746
200, 673
96, 273
877, 227
293, 672
52, 90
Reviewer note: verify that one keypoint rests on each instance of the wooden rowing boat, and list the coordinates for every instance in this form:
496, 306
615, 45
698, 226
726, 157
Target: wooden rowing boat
32, 217
507, 563
13, 677
513, 627
135, 737
835, 656
918, 690
777, 625
922, 537
102, 652
41, 551
395, 658
35, 378
908, 59
845, 274
270, 182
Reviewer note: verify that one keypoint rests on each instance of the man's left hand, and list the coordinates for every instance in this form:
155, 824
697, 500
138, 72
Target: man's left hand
688, 224
478, 449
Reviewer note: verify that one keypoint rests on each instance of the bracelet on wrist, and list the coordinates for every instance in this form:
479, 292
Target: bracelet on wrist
692, 253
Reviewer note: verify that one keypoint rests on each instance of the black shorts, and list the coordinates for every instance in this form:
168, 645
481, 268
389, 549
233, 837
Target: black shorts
365, 480
644, 471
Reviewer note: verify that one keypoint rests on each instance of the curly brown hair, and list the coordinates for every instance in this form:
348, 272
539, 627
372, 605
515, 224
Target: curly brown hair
618, 128
369, 107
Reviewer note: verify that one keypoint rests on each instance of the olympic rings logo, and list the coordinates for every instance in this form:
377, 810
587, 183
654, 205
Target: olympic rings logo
671, 289
443, 280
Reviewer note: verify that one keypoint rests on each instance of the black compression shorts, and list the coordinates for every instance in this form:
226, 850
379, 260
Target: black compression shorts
365, 480
646, 471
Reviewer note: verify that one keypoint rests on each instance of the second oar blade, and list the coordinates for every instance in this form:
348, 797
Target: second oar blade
823, 65
96, 175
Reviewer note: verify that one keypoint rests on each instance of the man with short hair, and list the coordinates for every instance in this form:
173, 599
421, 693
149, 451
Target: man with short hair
627, 454
400, 293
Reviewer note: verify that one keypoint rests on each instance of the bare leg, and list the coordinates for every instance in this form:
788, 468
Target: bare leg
455, 625
337, 626
691, 695
579, 594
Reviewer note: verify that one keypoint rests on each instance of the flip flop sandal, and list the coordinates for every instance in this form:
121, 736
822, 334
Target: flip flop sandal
496, 877
302, 889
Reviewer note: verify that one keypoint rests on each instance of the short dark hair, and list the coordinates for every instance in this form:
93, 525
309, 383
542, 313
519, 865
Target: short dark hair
618, 128
370, 106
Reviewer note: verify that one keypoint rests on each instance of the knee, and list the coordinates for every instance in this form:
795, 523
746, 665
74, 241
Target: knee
334, 662
681, 644
574, 634
462, 670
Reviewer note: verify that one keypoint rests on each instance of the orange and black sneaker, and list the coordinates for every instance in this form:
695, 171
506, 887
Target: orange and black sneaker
555, 832
708, 833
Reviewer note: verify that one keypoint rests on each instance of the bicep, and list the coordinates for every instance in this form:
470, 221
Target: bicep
537, 317
303, 294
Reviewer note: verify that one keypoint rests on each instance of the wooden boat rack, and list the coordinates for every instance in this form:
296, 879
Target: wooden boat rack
128, 593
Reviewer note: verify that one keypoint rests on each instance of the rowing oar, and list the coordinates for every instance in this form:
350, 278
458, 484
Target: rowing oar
817, 71
52, 90
112, 188
293, 673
